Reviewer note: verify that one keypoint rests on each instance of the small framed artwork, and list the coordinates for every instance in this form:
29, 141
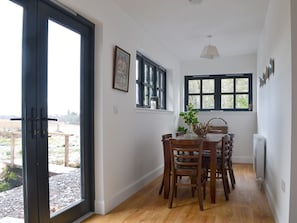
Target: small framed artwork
121, 69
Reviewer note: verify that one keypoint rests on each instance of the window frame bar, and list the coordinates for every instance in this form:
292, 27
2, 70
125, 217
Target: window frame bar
157, 70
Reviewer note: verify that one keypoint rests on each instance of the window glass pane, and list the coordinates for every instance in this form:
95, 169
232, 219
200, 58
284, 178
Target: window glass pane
158, 79
242, 84
162, 80
151, 76
208, 101
208, 86
146, 96
194, 86
151, 92
137, 66
242, 101
227, 101
195, 100
137, 94
227, 85
145, 73
162, 99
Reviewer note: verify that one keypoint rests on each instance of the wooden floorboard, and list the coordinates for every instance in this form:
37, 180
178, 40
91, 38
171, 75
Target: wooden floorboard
247, 204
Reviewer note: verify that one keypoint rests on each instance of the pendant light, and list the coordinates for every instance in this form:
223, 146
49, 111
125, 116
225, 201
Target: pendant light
209, 51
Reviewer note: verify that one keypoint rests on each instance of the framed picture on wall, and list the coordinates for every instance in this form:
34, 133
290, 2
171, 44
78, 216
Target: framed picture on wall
121, 69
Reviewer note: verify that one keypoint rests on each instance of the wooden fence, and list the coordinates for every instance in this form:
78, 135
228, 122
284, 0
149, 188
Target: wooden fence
17, 134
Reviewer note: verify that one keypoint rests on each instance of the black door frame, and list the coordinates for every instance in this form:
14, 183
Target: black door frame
34, 110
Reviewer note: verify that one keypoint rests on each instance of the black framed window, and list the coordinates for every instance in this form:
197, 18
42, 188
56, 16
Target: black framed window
150, 83
231, 92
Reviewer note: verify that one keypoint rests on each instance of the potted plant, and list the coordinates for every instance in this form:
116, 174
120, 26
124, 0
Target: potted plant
190, 117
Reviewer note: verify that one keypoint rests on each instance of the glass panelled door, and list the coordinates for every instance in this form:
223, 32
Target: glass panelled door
11, 174
65, 105
64, 153
46, 113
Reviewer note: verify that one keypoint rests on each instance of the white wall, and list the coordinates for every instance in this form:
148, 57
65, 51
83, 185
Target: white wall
275, 106
128, 149
243, 143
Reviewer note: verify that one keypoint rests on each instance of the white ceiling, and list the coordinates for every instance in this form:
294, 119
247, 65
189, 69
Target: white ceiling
182, 26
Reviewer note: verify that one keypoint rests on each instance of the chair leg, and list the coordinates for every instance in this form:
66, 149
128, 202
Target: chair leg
225, 182
172, 191
231, 174
193, 180
200, 199
162, 186
204, 191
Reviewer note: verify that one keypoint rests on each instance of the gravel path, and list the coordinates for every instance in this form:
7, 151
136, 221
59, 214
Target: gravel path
64, 189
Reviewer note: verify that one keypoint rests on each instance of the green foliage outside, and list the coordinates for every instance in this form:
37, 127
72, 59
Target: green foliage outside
242, 103
7, 179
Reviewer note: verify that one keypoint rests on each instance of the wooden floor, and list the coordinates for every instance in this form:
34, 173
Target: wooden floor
247, 204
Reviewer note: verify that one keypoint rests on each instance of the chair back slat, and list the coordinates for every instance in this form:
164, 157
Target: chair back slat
186, 153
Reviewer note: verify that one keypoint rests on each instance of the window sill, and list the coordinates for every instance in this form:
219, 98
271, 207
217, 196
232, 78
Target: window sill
156, 111
227, 111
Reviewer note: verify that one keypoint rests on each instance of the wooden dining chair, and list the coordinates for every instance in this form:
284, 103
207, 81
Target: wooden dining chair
186, 160
223, 155
230, 164
166, 156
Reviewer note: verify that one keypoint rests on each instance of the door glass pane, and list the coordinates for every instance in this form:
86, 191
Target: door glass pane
242, 101
227, 101
208, 86
242, 85
11, 171
64, 152
194, 86
227, 85
208, 101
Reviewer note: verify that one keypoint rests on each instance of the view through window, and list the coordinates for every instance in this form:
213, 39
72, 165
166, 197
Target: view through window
219, 92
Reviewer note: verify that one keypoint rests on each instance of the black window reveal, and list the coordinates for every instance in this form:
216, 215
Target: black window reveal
150, 83
231, 92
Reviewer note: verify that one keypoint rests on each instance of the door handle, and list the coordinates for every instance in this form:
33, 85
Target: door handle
16, 119
32, 118
43, 131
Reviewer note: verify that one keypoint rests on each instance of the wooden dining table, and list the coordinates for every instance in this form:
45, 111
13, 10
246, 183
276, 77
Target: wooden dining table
211, 143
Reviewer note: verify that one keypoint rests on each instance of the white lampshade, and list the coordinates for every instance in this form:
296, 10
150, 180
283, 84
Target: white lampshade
209, 52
